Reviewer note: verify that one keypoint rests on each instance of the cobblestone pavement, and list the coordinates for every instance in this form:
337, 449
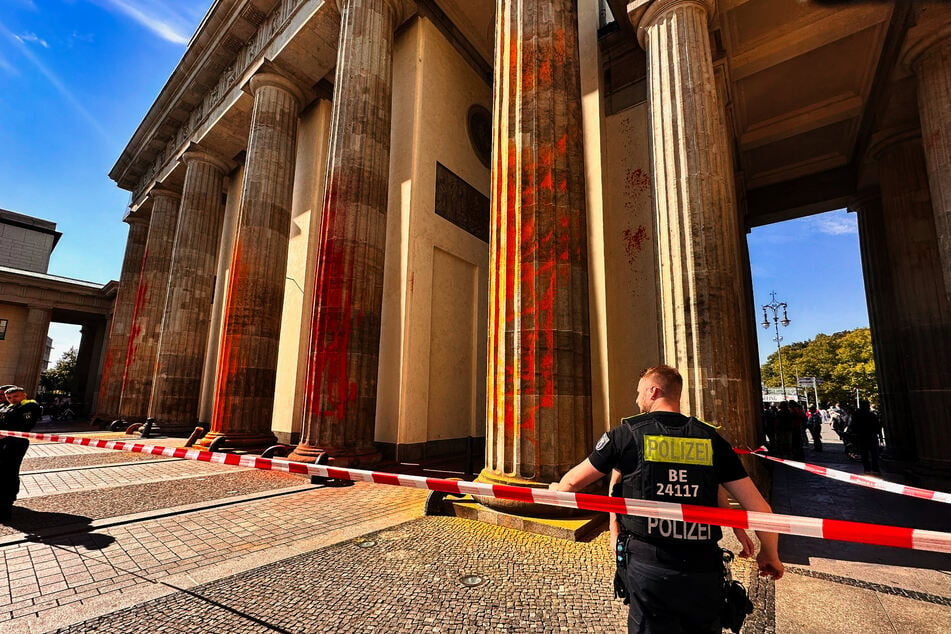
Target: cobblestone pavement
251, 551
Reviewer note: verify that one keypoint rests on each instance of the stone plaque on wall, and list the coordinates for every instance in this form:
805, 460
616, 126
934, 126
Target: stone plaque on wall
461, 204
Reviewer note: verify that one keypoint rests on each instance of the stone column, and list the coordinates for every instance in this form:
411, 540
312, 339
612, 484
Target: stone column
539, 367
884, 314
149, 307
87, 362
110, 387
343, 358
32, 345
932, 65
183, 340
922, 308
704, 317
247, 362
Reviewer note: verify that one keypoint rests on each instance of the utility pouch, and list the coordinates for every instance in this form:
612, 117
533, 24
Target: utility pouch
736, 603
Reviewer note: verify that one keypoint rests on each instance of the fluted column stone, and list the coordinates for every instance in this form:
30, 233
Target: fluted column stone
539, 366
247, 362
110, 386
922, 308
704, 318
884, 314
32, 346
149, 306
343, 357
184, 333
933, 68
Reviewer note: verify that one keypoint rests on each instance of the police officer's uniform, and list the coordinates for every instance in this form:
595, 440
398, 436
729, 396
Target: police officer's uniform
675, 569
20, 417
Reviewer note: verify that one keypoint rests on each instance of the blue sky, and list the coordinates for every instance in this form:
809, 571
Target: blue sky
77, 77
814, 266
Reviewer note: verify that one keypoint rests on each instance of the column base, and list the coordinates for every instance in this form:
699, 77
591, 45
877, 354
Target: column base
305, 453
522, 509
341, 456
576, 529
932, 474
243, 441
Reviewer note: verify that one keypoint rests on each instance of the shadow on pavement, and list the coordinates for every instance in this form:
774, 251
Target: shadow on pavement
57, 528
797, 492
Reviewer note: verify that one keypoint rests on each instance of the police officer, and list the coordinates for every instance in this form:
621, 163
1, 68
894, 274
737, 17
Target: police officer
21, 414
4, 403
675, 568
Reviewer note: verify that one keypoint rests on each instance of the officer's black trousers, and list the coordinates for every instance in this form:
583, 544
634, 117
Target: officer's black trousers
673, 593
12, 451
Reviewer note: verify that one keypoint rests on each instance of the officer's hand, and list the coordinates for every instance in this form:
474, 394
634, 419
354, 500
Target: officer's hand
745, 542
769, 565
555, 486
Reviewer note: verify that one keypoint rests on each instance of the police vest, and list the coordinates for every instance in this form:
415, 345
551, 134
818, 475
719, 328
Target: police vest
22, 416
675, 464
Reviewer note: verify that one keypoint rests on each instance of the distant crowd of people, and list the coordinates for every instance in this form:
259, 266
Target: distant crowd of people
786, 424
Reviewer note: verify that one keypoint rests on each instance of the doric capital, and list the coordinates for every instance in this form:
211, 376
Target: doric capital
161, 192
270, 78
196, 153
401, 9
929, 35
645, 13
884, 141
865, 200
137, 217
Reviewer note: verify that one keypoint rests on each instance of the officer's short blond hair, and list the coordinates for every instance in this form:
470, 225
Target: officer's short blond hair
667, 378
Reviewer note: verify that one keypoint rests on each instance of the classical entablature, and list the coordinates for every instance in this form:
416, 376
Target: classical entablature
70, 299
29, 301
805, 87
205, 99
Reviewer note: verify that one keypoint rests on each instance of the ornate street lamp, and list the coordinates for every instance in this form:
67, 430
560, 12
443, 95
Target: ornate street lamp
775, 306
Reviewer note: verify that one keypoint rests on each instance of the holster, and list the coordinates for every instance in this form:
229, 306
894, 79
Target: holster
620, 574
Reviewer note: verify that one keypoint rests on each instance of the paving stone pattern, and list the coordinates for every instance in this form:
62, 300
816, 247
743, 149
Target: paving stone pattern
407, 582
43, 576
85, 480
410, 582
68, 509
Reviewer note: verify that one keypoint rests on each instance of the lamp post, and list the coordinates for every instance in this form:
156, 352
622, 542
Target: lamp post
775, 306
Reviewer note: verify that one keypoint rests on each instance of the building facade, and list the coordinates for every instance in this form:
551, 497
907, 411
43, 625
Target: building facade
382, 228
30, 299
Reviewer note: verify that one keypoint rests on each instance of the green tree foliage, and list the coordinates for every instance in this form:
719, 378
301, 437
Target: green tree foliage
842, 361
59, 378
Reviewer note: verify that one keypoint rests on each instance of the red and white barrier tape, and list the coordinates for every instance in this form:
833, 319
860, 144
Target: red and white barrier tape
845, 476
877, 534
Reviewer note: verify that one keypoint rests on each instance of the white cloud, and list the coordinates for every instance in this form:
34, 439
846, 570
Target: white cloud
7, 66
76, 36
32, 37
159, 18
55, 81
837, 225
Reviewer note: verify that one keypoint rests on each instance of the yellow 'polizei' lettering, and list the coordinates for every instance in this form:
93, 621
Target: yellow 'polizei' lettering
679, 450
